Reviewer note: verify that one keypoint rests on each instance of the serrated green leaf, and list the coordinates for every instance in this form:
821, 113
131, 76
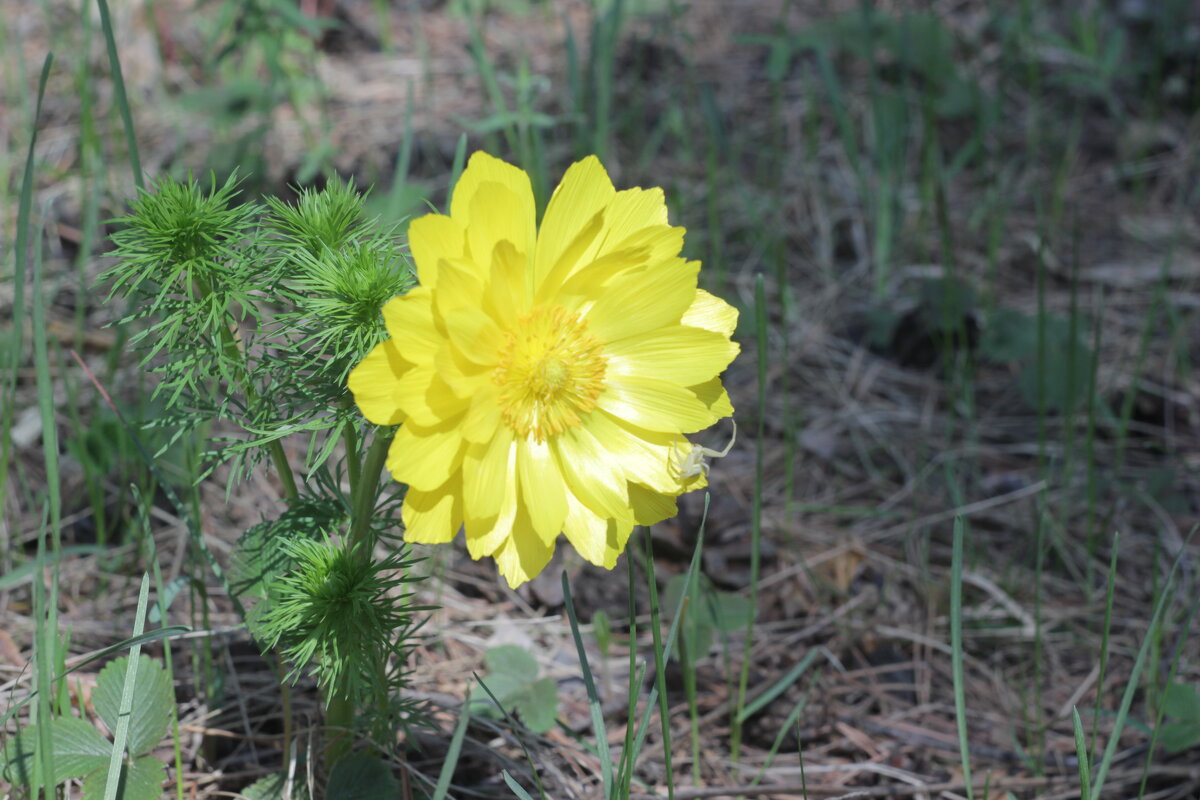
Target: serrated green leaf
1009, 336
268, 788
152, 701
697, 624
729, 612
538, 705
1175, 736
360, 776
78, 749
1182, 702
513, 682
140, 780
503, 687
509, 659
1066, 373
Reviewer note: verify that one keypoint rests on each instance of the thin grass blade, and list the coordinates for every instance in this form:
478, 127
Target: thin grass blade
121, 734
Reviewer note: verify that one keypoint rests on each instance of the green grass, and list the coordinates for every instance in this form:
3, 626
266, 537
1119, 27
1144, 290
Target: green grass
874, 159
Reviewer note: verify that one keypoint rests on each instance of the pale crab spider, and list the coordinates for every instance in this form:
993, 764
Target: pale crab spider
693, 465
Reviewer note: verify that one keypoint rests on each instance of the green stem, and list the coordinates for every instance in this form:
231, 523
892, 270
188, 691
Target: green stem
339, 716
364, 484
353, 467
368, 483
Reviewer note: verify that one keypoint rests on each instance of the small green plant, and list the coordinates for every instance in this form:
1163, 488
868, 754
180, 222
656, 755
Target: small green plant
512, 680
80, 751
1181, 704
708, 612
253, 315
1012, 337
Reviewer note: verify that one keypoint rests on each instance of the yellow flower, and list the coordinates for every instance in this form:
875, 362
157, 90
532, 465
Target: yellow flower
544, 379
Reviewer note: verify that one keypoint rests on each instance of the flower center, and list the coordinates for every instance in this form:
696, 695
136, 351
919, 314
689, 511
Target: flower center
550, 372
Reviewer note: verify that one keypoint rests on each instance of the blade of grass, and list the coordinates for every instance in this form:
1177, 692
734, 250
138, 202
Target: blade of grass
793, 718
121, 734
597, 712
452, 753
114, 62
636, 676
1081, 753
161, 606
45, 638
760, 328
793, 675
663, 650
512, 724
20, 267
517, 789
1131, 687
456, 168
956, 645
1108, 609
1161, 710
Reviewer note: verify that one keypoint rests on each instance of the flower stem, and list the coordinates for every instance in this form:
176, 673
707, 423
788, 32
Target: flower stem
353, 465
368, 483
364, 484
339, 716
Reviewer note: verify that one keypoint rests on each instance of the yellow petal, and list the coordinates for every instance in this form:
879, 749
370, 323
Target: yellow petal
373, 383
585, 189
426, 398
464, 377
459, 286
425, 458
642, 301
656, 405
650, 507
485, 536
678, 353
629, 212
615, 539
591, 472
483, 417
499, 215
508, 291
522, 556
542, 488
586, 530
713, 395
712, 314
409, 321
432, 238
433, 517
485, 474
576, 255
482, 169
649, 246
476, 336
643, 456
